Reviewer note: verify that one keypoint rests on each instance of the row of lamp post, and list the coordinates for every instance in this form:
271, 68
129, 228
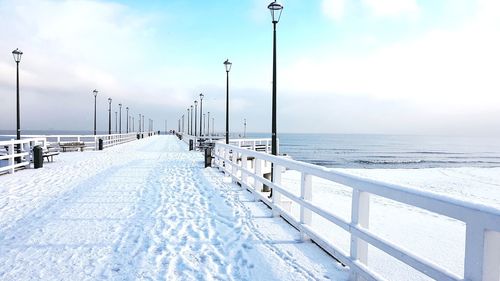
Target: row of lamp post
186, 124
130, 120
276, 10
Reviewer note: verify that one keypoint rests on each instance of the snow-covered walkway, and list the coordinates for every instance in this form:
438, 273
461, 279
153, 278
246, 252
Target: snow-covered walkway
146, 210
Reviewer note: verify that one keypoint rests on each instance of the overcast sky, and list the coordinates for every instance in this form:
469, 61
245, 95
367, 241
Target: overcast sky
344, 66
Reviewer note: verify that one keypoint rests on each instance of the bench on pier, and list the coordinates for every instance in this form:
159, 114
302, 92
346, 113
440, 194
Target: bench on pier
68, 146
50, 155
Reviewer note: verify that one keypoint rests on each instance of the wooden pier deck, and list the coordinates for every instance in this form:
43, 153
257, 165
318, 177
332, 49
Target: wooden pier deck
145, 210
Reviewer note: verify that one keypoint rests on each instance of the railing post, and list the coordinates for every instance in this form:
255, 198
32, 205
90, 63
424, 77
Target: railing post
11, 158
305, 194
491, 265
276, 195
244, 166
258, 171
482, 253
226, 161
234, 167
360, 214
31, 145
26, 148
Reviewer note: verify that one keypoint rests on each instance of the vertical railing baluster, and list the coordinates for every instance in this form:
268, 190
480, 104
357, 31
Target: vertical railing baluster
258, 171
234, 167
244, 167
276, 195
11, 157
491, 263
305, 194
360, 215
474, 251
227, 166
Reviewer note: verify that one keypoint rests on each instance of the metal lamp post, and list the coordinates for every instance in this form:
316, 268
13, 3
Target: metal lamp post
127, 117
120, 122
244, 128
208, 123
201, 113
191, 132
188, 121
139, 123
17, 58
228, 65
95, 109
195, 118
276, 10
116, 122
109, 116
204, 121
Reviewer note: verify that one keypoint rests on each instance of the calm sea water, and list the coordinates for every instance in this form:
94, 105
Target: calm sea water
377, 151
390, 151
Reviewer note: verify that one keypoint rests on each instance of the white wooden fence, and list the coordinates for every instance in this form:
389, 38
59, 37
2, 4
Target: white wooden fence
263, 145
482, 249
9, 151
91, 141
25, 153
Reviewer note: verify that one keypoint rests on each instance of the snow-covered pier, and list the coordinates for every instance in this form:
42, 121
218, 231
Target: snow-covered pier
145, 210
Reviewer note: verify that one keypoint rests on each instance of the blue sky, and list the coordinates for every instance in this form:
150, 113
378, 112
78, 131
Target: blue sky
359, 66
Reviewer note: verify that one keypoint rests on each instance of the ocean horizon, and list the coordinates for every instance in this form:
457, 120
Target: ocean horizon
367, 151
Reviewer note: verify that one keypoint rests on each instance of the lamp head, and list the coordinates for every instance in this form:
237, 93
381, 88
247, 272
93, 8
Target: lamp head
17, 55
110, 100
276, 9
228, 65
201, 96
195, 102
95, 92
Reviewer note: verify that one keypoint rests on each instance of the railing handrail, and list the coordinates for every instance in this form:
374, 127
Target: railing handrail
13, 141
380, 188
482, 221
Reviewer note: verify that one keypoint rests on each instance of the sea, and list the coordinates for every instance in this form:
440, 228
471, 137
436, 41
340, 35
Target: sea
371, 151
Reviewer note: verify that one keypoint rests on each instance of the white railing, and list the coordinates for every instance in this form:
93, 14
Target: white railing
18, 149
482, 241
91, 141
112, 140
263, 144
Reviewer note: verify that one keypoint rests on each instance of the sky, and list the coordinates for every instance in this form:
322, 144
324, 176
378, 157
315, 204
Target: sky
428, 67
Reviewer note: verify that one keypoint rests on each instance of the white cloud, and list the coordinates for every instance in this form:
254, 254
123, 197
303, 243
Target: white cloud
392, 8
334, 9
441, 71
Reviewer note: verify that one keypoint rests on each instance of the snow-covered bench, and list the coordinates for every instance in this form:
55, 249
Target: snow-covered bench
50, 155
72, 145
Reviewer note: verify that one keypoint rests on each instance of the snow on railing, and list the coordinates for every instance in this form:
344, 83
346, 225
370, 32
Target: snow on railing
21, 150
482, 242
